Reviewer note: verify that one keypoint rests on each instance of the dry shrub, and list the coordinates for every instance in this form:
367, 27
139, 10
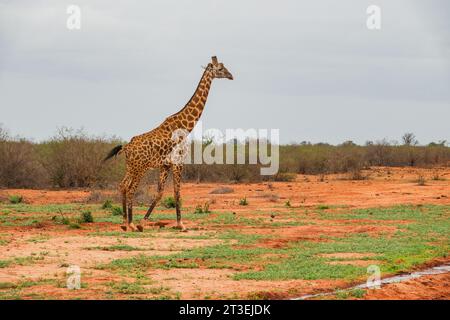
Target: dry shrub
270, 196
357, 175
19, 167
421, 180
285, 176
222, 190
73, 159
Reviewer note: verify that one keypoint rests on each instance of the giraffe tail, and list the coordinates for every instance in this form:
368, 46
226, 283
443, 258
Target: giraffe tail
114, 152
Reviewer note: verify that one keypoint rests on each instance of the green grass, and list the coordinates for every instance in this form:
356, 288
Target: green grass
169, 202
423, 238
116, 211
108, 204
118, 247
423, 233
15, 199
86, 217
22, 261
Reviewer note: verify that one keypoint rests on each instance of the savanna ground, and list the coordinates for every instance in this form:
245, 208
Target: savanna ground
260, 240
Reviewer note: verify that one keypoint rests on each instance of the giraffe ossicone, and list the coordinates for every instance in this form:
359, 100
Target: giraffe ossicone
158, 149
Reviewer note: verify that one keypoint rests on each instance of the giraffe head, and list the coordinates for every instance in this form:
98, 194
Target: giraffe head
218, 69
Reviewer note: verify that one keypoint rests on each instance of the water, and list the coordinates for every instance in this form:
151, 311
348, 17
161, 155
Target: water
394, 279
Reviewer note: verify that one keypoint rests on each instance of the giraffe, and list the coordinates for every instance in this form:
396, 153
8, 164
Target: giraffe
153, 149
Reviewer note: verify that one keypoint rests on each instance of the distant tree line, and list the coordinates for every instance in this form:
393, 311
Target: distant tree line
73, 159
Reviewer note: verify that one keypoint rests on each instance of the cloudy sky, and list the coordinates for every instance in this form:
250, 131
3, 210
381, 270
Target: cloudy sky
309, 68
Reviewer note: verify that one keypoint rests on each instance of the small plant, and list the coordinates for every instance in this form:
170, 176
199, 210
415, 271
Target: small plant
15, 199
285, 176
169, 202
86, 217
243, 202
74, 225
63, 219
356, 174
342, 295
116, 211
107, 204
323, 207
271, 197
358, 293
288, 203
203, 209
222, 190
421, 180
437, 177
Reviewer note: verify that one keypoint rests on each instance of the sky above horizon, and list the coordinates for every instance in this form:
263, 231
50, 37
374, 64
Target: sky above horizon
311, 69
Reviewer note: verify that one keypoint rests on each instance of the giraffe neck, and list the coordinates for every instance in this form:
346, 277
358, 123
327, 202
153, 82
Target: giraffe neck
187, 117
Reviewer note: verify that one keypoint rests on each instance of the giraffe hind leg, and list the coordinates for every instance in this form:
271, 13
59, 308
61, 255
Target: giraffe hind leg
128, 188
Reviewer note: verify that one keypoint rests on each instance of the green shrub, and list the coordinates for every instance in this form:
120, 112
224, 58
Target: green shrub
243, 202
107, 204
74, 225
116, 211
288, 203
202, 209
169, 202
15, 199
86, 217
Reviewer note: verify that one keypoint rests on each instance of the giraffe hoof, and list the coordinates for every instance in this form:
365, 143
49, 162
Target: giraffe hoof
140, 228
182, 228
124, 228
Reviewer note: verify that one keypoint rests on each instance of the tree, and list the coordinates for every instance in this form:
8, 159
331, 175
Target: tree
409, 139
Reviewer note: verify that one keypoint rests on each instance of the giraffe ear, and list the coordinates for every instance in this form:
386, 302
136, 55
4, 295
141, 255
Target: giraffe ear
214, 60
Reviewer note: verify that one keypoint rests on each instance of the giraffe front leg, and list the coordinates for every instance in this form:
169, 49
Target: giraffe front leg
176, 188
163, 174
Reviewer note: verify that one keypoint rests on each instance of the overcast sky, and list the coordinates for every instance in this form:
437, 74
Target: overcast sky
309, 68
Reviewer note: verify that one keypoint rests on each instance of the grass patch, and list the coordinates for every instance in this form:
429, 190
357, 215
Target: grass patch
116, 211
169, 202
86, 217
108, 204
15, 199
118, 247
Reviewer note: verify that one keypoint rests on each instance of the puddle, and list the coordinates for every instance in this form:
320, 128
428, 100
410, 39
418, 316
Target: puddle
394, 279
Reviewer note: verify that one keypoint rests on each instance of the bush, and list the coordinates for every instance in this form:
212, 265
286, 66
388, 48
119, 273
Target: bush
20, 166
222, 190
169, 202
421, 180
15, 199
116, 211
203, 209
107, 204
86, 217
74, 159
285, 176
243, 202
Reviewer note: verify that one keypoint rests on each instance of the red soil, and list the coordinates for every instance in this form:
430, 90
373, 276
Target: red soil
385, 187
